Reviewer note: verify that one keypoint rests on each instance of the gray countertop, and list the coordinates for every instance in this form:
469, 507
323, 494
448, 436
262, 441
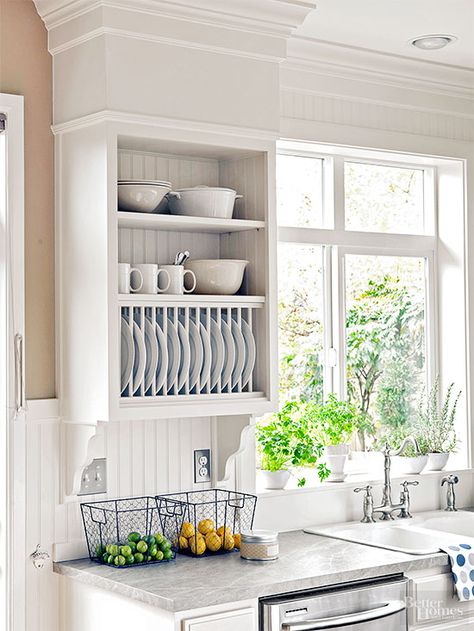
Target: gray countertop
306, 561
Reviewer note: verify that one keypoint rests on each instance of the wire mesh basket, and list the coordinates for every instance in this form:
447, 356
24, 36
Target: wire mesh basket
209, 521
127, 532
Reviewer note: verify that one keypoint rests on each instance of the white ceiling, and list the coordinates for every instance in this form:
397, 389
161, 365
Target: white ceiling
387, 25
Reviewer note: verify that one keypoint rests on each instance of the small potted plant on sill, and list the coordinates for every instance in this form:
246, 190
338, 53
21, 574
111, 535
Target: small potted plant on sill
436, 424
333, 424
284, 441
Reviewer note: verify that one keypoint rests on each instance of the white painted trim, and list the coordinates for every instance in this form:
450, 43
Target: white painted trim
351, 98
349, 62
161, 39
41, 410
273, 17
12, 440
160, 121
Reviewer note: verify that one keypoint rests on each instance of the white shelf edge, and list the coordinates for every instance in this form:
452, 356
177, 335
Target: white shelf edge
150, 221
172, 399
188, 300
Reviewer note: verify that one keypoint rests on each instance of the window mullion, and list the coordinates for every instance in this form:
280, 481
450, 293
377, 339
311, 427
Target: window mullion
339, 211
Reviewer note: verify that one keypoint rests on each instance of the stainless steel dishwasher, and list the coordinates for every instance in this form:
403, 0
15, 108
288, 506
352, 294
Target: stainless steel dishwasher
363, 606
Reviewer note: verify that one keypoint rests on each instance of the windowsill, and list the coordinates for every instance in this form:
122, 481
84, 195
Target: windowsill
353, 480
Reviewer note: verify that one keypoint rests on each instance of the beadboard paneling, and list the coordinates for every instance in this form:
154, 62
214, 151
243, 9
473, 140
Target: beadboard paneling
355, 112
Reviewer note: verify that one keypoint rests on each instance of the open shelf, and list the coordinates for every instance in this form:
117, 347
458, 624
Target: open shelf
190, 300
150, 221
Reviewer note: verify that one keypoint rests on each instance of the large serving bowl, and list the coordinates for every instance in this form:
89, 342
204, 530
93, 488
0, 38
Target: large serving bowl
143, 197
203, 201
217, 276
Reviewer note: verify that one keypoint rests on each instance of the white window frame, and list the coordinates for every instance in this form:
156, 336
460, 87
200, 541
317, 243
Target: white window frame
343, 241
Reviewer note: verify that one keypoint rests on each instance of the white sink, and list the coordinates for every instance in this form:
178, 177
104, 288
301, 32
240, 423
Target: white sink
427, 533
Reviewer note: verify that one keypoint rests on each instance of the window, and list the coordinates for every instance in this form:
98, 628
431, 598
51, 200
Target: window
357, 258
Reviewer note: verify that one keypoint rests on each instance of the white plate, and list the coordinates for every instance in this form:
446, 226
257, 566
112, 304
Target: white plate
207, 356
217, 350
250, 351
174, 351
185, 359
162, 367
239, 353
151, 345
126, 354
197, 353
230, 352
140, 358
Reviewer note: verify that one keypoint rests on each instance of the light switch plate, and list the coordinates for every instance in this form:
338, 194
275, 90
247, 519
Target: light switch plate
202, 465
94, 478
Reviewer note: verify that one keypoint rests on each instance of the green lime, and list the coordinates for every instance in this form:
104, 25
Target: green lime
142, 546
159, 538
111, 559
130, 560
153, 550
150, 540
114, 550
107, 548
166, 545
105, 557
134, 536
119, 560
133, 546
139, 558
168, 554
100, 549
159, 555
126, 551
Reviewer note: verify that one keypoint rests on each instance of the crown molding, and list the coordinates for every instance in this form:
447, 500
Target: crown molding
346, 62
113, 116
275, 17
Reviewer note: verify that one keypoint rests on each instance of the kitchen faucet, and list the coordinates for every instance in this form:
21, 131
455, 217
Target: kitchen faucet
387, 507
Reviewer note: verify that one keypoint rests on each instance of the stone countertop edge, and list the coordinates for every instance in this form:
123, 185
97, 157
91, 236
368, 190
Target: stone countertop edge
306, 562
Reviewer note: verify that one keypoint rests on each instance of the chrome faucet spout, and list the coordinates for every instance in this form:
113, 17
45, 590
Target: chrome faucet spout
409, 440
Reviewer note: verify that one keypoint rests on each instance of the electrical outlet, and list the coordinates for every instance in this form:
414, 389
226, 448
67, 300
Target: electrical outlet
94, 478
202, 465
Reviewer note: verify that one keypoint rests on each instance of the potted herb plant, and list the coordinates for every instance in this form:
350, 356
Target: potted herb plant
284, 441
436, 424
333, 424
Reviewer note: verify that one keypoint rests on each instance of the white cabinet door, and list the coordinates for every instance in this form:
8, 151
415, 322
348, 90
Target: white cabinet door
240, 620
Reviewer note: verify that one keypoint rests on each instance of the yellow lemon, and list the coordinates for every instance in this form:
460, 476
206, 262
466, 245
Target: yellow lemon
237, 540
213, 541
228, 542
188, 530
227, 530
197, 544
205, 526
183, 543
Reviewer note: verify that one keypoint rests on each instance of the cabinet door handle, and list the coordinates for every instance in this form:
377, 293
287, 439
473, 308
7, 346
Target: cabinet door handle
353, 618
19, 379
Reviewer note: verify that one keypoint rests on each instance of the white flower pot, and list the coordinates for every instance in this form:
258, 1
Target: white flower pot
275, 479
437, 462
336, 458
410, 466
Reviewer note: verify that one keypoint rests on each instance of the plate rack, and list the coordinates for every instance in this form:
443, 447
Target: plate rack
204, 347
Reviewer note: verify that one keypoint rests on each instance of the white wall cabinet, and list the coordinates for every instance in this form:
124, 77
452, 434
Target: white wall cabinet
93, 237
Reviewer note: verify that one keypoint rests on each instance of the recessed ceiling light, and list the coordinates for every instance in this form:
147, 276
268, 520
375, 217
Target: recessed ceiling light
432, 42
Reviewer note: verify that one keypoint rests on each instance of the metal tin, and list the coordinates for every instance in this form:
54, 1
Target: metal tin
259, 545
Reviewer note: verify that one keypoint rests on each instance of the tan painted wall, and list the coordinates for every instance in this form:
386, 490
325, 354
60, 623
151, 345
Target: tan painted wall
25, 68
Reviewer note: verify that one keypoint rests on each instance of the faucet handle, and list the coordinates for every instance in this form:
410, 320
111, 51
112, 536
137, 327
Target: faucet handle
367, 489
450, 479
406, 484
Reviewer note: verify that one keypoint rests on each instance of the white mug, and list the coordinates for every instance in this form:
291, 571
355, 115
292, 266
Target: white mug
125, 278
151, 278
176, 275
